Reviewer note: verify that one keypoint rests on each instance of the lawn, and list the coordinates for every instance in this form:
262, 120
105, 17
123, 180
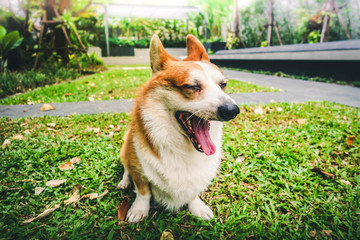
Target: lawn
289, 171
121, 83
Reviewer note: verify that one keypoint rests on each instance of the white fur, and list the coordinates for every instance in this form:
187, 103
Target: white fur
140, 208
181, 173
125, 182
198, 208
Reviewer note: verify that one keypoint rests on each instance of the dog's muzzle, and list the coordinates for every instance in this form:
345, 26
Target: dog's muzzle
228, 111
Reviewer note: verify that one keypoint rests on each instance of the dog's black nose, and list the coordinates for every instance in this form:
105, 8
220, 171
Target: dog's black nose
228, 111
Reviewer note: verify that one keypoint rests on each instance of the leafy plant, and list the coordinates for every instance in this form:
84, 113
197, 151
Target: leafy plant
8, 41
87, 62
232, 41
15, 82
314, 36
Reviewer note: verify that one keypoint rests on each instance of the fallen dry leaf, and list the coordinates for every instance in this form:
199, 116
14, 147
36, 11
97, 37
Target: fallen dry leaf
55, 183
240, 159
43, 214
326, 233
46, 107
27, 131
39, 190
75, 160
117, 128
345, 182
259, 110
301, 121
18, 137
74, 138
51, 124
350, 140
123, 209
318, 170
66, 166
27, 180
75, 196
91, 196
312, 233
53, 130
94, 130
166, 236
95, 195
7, 142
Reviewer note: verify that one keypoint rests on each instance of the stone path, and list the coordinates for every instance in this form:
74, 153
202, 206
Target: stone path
294, 91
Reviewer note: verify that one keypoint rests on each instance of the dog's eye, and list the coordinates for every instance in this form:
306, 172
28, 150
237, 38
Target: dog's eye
196, 87
223, 85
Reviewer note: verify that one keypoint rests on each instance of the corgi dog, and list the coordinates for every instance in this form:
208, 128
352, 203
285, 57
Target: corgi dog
172, 149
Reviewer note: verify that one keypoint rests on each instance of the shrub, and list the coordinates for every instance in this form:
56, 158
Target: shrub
90, 62
8, 41
15, 82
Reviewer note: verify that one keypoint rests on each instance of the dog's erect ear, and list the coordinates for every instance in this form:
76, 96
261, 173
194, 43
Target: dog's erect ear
158, 56
195, 50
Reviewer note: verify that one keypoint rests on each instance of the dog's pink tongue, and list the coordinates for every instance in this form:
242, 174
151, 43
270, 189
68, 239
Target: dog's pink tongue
202, 135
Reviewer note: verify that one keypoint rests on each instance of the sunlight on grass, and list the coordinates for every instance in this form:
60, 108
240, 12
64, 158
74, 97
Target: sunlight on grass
113, 84
117, 83
235, 86
265, 187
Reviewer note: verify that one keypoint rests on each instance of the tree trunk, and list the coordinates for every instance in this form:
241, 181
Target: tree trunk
60, 43
270, 22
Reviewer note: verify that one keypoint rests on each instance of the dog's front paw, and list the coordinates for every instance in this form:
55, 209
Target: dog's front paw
124, 183
136, 214
198, 208
139, 209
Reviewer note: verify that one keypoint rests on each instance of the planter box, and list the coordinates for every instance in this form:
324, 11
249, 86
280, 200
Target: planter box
215, 46
118, 51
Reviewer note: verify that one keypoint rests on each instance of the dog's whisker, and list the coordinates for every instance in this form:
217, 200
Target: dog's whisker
192, 114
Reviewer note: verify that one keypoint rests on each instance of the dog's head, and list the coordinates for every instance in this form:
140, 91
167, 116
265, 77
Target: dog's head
191, 90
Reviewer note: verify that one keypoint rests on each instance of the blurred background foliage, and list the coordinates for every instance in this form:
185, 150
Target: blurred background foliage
213, 23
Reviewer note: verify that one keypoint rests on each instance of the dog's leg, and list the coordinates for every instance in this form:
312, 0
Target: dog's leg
198, 208
125, 182
140, 207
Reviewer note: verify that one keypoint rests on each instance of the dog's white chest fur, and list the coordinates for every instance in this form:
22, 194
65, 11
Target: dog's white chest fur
182, 172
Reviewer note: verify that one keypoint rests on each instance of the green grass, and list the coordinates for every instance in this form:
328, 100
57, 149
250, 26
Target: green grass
113, 84
265, 188
235, 86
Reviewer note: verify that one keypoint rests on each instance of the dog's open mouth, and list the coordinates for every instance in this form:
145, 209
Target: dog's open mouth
197, 129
